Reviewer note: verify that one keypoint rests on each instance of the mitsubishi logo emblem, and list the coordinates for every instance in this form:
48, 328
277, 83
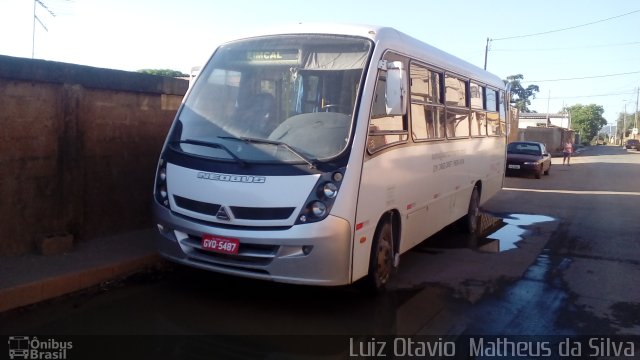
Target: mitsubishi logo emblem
222, 214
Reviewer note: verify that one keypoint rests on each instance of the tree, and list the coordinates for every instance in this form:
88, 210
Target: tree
163, 72
625, 127
587, 119
519, 95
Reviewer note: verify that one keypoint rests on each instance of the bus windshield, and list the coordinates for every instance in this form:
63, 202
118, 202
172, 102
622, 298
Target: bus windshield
296, 92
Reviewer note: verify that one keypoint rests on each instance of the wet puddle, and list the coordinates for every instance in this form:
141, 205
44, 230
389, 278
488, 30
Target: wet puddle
512, 232
498, 233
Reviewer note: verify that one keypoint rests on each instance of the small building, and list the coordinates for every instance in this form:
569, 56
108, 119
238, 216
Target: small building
560, 120
549, 129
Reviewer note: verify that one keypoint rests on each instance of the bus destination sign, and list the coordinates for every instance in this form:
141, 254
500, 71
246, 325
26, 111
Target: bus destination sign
275, 56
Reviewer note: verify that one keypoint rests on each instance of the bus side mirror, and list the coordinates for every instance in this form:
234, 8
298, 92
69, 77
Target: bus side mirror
396, 89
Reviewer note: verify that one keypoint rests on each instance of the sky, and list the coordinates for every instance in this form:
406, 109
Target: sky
597, 40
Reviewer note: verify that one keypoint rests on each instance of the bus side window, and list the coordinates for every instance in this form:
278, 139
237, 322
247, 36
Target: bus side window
458, 113
503, 114
493, 124
384, 130
493, 116
427, 111
478, 115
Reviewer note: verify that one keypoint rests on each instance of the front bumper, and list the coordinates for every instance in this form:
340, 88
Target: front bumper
266, 254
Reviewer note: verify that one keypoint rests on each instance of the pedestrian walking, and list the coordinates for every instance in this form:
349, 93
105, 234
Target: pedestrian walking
568, 150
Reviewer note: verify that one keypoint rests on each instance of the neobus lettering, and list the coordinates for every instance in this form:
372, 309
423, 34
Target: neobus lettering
232, 178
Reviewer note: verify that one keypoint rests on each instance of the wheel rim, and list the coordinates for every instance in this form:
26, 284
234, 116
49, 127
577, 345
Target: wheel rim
383, 265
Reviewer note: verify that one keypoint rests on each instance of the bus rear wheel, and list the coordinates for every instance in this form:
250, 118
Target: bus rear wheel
471, 221
381, 261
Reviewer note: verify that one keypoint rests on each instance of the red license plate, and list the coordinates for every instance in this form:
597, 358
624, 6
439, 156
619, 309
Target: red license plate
220, 244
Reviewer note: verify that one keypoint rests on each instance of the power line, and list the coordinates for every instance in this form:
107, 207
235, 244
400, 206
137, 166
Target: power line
564, 29
572, 48
582, 78
585, 96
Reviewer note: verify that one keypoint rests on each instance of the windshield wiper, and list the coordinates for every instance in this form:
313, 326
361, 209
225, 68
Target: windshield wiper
212, 145
311, 162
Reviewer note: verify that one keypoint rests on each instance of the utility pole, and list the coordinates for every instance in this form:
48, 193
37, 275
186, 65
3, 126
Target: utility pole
486, 52
636, 115
33, 33
35, 17
548, 100
624, 122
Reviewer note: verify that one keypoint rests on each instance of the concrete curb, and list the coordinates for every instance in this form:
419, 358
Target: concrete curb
52, 287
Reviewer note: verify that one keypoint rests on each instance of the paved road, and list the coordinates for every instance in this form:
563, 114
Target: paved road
586, 279
565, 261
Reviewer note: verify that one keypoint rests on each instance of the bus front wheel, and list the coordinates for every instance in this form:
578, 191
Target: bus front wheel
381, 261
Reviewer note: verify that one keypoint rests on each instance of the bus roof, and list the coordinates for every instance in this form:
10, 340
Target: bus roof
390, 38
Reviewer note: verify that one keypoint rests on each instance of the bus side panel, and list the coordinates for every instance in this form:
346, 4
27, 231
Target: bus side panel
483, 164
493, 183
376, 195
429, 184
401, 179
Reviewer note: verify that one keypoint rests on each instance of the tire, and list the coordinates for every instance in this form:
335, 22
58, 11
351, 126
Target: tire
381, 260
548, 169
470, 222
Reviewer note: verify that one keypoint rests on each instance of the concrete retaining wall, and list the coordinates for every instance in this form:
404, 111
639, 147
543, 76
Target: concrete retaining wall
552, 137
78, 149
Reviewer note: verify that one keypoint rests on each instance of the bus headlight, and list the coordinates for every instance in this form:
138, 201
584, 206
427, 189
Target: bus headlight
322, 197
161, 193
330, 190
319, 209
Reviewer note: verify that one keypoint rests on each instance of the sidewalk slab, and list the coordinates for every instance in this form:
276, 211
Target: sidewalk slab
31, 278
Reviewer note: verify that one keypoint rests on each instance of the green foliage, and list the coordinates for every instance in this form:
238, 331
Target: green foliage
520, 97
624, 128
587, 119
163, 72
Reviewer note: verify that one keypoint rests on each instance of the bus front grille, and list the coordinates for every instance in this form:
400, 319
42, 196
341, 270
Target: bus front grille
254, 213
239, 212
196, 206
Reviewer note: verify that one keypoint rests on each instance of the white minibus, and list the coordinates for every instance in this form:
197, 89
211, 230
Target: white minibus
319, 154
